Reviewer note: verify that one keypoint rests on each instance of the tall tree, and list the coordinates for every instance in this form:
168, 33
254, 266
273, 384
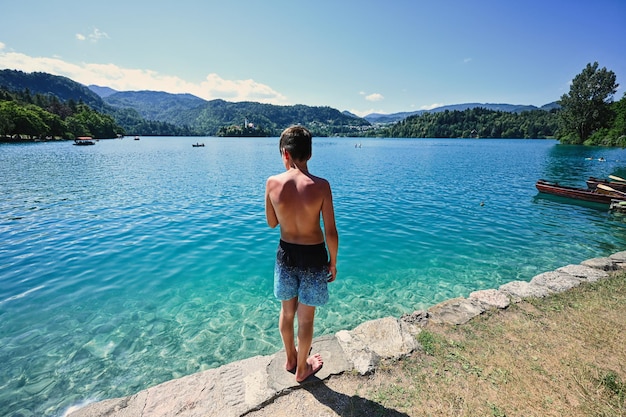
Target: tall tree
586, 108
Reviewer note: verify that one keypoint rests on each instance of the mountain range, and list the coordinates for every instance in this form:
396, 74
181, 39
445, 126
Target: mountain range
198, 116
378, 118
163, 106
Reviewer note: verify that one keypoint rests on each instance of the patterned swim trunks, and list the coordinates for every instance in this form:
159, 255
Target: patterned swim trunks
301, 271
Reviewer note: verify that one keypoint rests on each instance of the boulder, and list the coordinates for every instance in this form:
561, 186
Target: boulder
455, 311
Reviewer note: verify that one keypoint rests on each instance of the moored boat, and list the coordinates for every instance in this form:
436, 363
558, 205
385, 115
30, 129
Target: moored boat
592, 183
597, 195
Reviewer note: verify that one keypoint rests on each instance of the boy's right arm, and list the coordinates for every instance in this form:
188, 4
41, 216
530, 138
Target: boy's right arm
270, 213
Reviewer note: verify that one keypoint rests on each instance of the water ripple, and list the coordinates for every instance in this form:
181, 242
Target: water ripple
130, 263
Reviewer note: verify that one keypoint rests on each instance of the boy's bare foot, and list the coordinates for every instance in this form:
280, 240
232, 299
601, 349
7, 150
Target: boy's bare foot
313, 364
291, 367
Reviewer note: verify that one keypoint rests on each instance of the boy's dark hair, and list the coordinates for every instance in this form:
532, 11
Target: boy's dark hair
297, 141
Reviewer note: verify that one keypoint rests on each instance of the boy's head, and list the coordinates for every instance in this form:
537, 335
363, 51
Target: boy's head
297, 141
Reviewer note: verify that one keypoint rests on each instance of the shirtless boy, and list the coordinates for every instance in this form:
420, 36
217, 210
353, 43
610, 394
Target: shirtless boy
294, 200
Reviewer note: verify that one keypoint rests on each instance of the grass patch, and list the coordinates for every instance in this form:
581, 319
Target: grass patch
432, 343
556, 356
614, 385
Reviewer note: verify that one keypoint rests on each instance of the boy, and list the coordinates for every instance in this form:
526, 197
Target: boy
295, 199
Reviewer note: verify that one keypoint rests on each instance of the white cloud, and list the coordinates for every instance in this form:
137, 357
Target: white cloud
94, 36
466, 60
130, 79
363, 113
1, 46
431, 106
374, 97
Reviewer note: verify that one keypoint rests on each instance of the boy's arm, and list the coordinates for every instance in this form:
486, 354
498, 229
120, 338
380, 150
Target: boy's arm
270, 213
330, 233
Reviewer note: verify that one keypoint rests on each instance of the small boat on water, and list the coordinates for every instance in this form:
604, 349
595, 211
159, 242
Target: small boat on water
592, 183
197, 145
597, 195
84, 141
136, 137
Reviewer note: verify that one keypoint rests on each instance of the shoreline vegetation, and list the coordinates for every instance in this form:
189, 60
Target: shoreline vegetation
562, 355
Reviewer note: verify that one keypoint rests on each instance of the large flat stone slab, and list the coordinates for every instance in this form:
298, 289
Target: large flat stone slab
605, 264
228, 391
584, 272
335, 362
518, 290
556, 281
491, 298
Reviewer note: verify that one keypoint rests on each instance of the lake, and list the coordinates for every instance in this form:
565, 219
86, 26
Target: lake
129, 263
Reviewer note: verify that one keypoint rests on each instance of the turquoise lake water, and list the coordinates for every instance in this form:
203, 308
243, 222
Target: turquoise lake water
129, 263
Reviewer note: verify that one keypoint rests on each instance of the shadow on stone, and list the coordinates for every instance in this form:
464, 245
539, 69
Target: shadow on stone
345, 405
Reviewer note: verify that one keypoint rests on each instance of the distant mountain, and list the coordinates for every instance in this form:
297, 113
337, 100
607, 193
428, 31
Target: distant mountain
102, 91
155, 105
509, 108
63, 88
550, 106
377, 118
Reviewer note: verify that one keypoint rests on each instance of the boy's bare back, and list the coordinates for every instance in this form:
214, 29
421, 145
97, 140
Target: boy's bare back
295, 200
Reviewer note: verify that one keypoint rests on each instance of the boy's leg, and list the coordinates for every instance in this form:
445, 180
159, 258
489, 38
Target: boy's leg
286, 327
307, 366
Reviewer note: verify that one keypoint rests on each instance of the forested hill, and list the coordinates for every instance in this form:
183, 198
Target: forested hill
41, 89
475, 123
212, 117
377, 118
45, 84
159, 113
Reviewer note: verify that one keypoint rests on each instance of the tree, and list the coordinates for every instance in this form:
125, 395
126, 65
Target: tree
88, 122
586, 108
21, 120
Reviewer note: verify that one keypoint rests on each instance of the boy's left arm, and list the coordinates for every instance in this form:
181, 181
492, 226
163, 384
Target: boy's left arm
330, 233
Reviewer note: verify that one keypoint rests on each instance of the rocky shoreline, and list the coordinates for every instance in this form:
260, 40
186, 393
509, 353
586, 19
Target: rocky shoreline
238, 388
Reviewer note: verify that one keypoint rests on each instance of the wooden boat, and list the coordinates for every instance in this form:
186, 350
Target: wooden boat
84, 141
595, 196
592, 184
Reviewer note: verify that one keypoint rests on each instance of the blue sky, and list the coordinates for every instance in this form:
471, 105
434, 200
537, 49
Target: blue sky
362, 56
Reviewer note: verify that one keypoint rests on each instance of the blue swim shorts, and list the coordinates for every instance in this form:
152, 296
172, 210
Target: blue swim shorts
301, 271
